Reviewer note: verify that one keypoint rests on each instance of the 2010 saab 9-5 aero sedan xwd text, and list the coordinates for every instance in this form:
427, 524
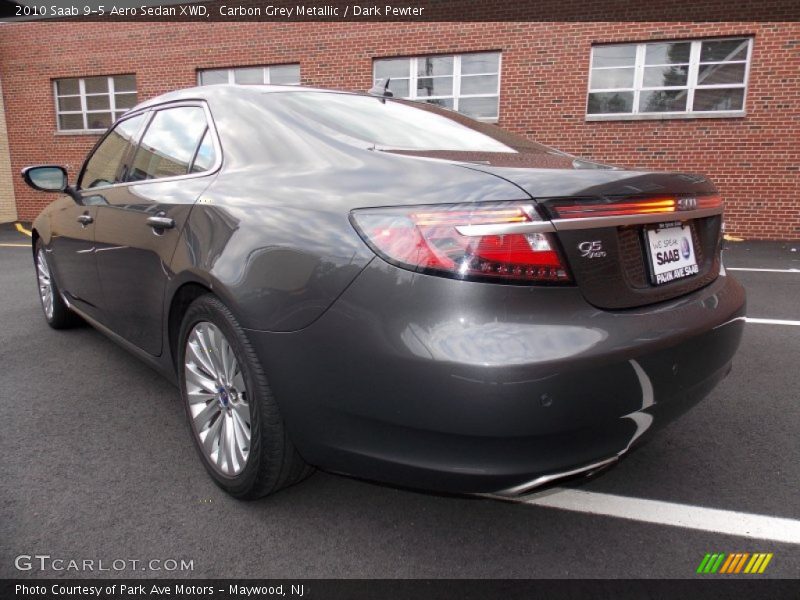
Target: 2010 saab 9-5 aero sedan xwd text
389, 289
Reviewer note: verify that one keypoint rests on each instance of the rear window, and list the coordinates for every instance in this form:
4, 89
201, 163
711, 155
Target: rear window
399, 124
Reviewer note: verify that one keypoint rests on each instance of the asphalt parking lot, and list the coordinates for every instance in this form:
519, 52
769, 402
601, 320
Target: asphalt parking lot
97, 464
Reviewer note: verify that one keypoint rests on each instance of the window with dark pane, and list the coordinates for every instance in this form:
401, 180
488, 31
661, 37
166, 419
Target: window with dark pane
662, 101
721, 75
252, 75
468, 83
716, 99
614, 56
724, 50
610, 102
284, 74
213, 76
249, 76
669, 78
93, 103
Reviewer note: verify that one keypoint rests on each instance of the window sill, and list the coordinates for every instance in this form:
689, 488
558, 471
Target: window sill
738, 114
81, 132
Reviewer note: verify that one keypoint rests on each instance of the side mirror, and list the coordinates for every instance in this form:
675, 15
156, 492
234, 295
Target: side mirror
46, 178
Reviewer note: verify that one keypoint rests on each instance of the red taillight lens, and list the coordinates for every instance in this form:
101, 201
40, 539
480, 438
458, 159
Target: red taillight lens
458, 242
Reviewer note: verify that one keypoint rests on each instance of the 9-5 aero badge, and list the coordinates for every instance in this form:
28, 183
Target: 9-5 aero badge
592, 249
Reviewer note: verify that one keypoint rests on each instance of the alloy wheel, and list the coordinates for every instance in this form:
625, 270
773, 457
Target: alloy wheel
45, 283
217, 397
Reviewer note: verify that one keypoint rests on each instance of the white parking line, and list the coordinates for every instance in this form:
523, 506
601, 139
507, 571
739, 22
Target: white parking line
763, 270
771, 321
728, 522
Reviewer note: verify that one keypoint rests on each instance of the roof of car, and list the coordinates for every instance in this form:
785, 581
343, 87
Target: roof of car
217, 90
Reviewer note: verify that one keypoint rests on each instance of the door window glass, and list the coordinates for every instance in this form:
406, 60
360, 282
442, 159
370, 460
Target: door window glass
103, 168
168, 145
206, 156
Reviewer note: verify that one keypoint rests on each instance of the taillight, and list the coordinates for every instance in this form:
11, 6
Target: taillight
584, 209
496, 242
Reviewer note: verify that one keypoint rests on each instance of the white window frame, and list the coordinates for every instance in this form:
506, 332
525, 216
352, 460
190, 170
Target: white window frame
456, 96
84, 111
265, 71
690, 87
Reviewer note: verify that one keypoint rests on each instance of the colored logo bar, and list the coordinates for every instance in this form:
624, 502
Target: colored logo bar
733, 563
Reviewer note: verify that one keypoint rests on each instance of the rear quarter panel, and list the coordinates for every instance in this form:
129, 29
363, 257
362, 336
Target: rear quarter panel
271, 235
280, 249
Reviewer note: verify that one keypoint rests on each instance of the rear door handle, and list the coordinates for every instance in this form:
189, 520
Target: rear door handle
160, 222
85, 220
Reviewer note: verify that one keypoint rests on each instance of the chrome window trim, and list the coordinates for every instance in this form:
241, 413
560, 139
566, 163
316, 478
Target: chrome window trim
152, 110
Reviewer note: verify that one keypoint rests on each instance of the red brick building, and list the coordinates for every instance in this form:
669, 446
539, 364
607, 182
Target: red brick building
717, 98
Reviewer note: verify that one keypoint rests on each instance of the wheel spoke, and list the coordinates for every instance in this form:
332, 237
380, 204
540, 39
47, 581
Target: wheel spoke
242, 435
212, 336
201, 357
204, 415
230, 437
204, 345
228, 361
242, 428
239, 443
224, 445
211, 439
195, 376
242, 412
198, 396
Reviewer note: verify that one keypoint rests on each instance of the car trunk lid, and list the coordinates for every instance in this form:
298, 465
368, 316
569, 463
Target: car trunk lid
631, 238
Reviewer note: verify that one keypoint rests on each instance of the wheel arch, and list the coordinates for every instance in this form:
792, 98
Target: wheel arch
34, 238
181, 299
40, 229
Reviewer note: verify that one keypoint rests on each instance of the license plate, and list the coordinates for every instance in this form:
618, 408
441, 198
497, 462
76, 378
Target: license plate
671, 252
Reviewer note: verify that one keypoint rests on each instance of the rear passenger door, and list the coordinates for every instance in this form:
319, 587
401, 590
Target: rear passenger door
139, 225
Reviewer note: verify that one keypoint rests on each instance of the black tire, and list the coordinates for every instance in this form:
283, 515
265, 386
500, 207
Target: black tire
62, 317
273, 462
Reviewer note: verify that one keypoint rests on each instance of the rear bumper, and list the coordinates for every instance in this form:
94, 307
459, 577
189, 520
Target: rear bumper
473, 387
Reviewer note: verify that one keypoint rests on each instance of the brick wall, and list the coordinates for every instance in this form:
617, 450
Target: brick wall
8, 209
754, 160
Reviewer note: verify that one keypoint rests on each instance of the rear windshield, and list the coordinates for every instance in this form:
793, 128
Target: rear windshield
399, 124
